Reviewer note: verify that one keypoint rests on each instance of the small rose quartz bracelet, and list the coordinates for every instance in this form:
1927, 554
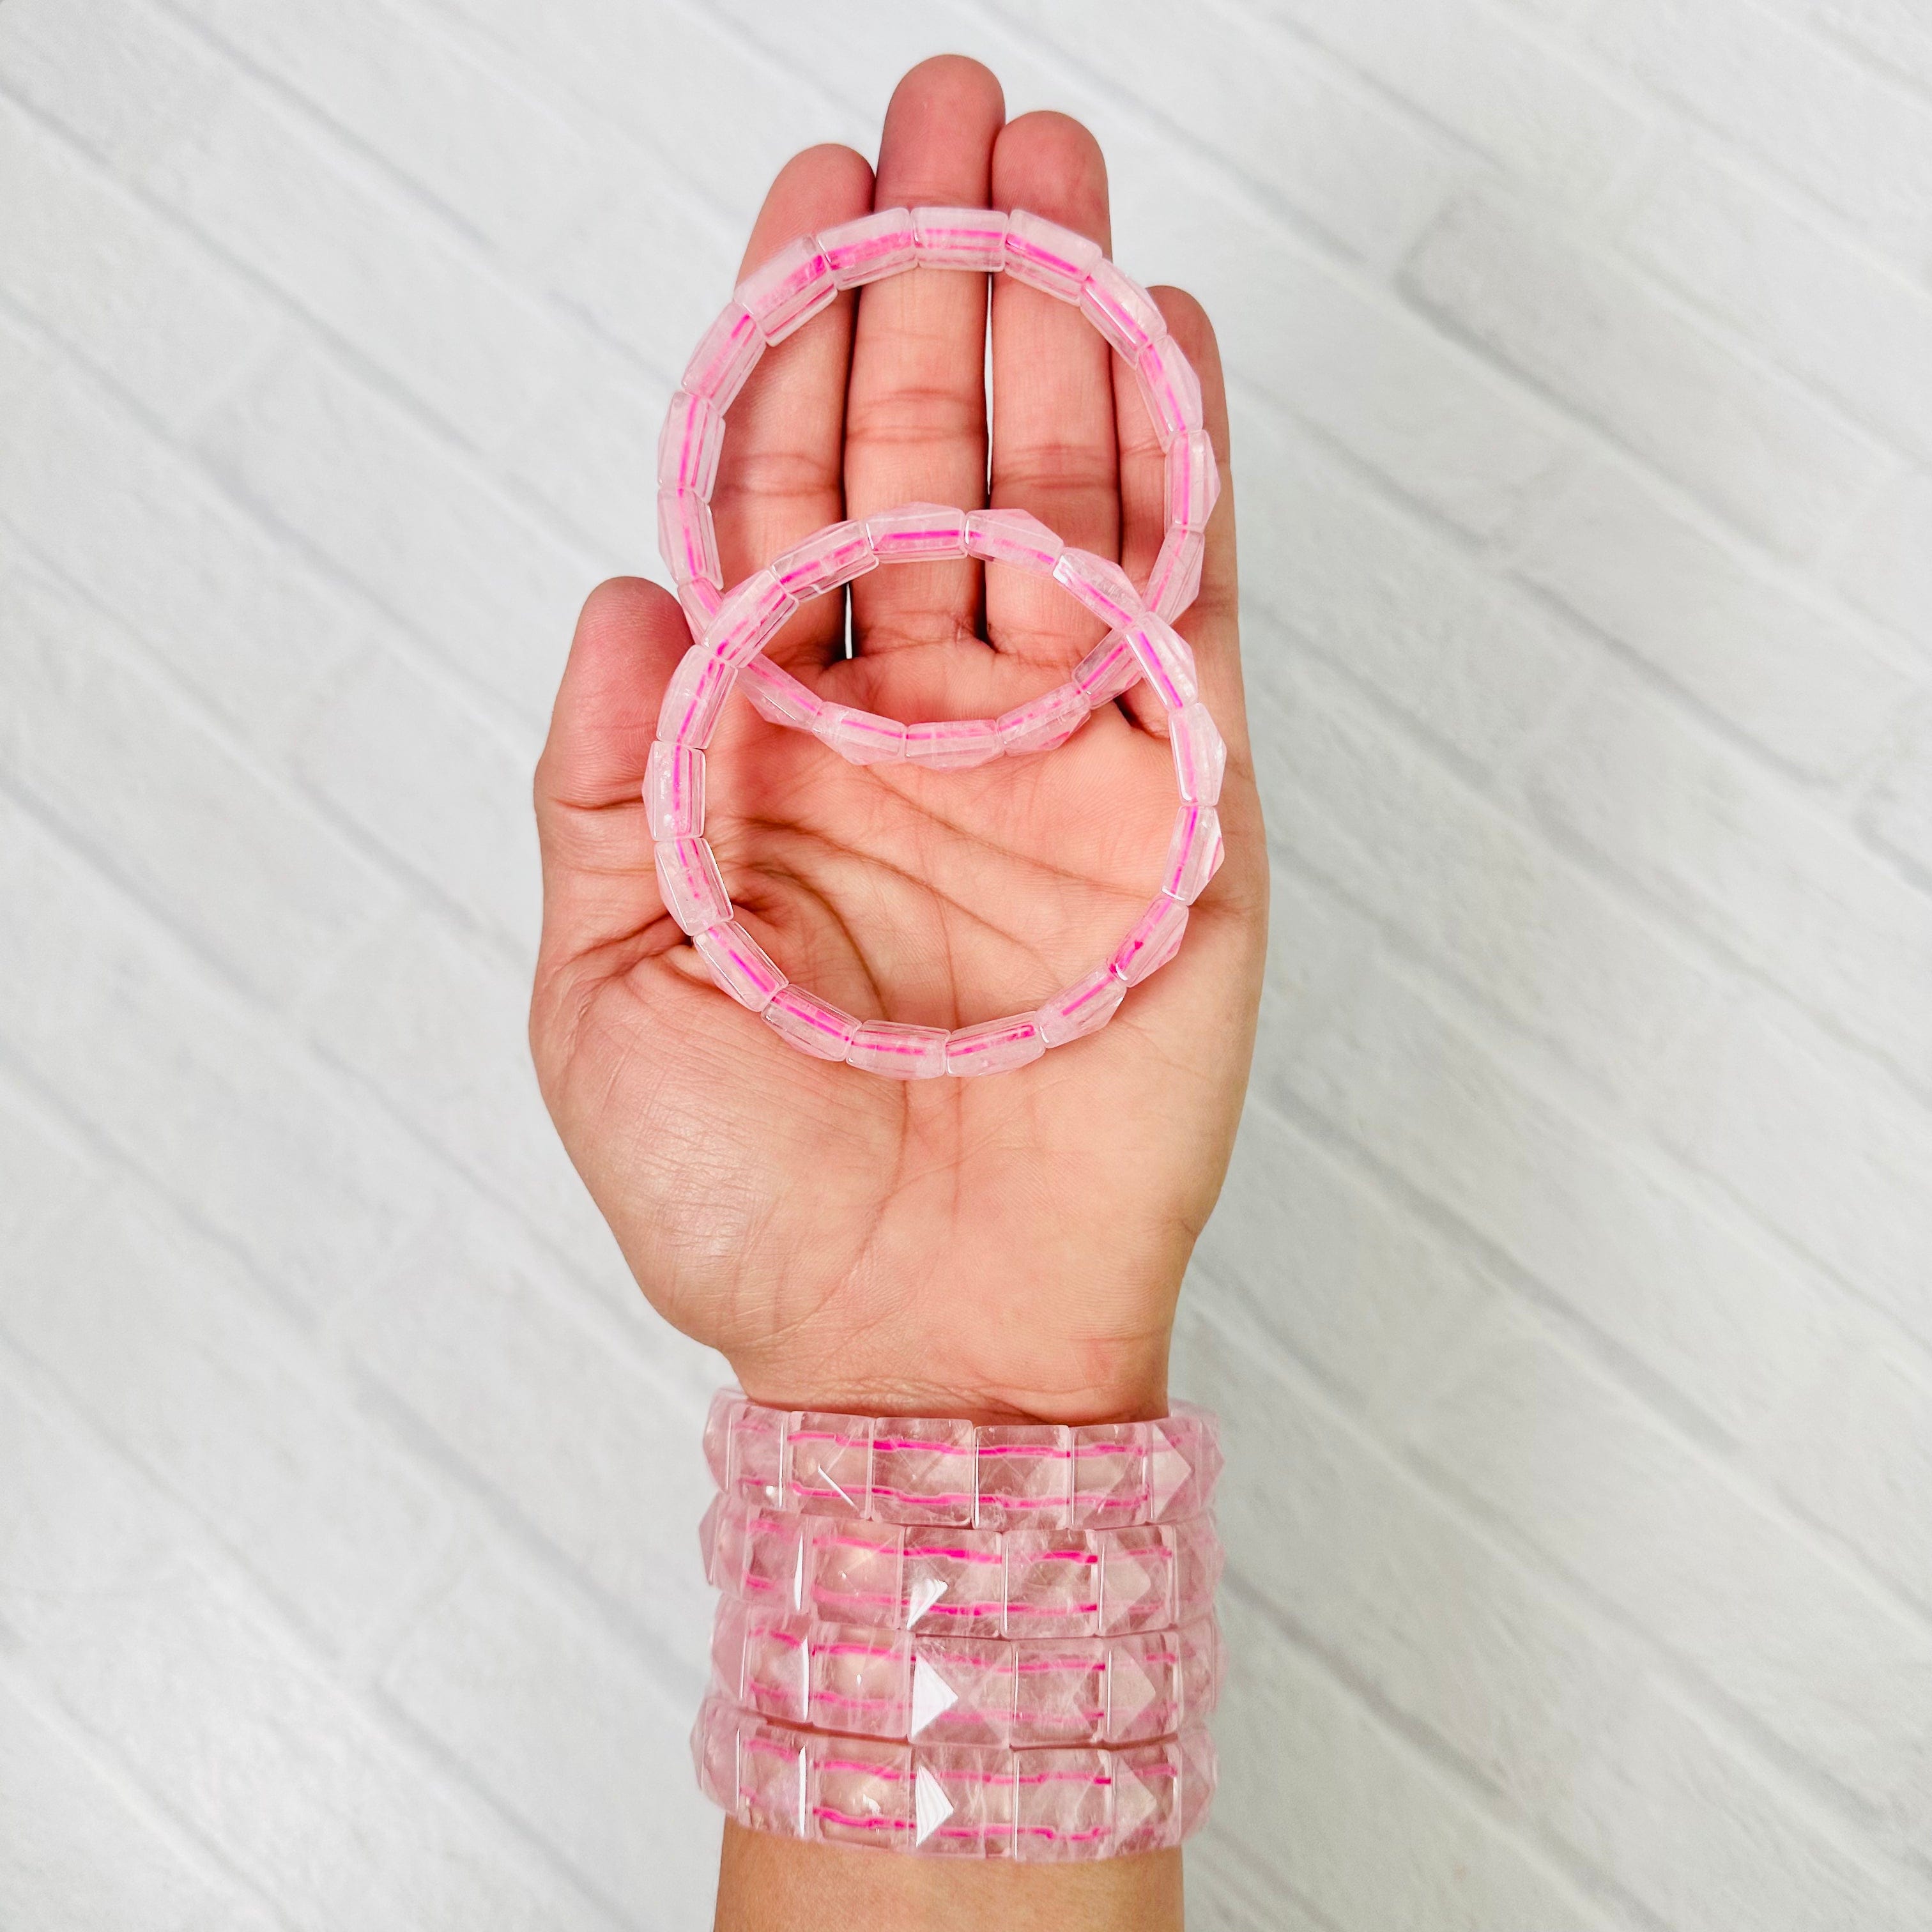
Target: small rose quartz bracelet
1040, 1806
961, 1689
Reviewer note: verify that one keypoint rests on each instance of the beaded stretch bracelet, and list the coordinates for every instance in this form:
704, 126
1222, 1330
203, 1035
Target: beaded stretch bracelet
1001, 1476
983, 1583
963, 1801
956, 1689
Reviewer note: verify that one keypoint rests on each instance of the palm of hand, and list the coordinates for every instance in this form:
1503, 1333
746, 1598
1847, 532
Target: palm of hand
1008, 1244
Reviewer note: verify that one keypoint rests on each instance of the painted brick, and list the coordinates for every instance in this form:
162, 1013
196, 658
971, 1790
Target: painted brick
1888, 564
1593, 333
1898, 814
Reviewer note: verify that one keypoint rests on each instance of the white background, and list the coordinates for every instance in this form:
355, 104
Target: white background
1571, 1301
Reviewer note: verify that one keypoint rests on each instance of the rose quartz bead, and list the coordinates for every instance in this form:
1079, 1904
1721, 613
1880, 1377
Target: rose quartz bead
777, 695
740, 965
1174, 582
1183, 1459
833, 556
1044, 723
810, 1024
899, 1052
1103, 587
828, 1463
963, 1690
994, 1046
917, 531
1171, 389
728, 353
1053, 1581
1121, 310
955, 1580
1110, 1467
1194, 852
1146, 1792
718, 1433
1108, 669
1012, 537
961, 238
871, 248
964, 1802
953, 744
1198, 1562
694, 698
863, 737
1200, 757
693, 891
786, 292
1025, 1475
923, 1471
674, 791
1046, 255
687, 446
1193, 481
1138, 1579
701, 598
756, 1453
1061, 1695
749, 618
1082, 1008
686, 540
1064, 1807
862, 1681
1165, 659
851, 1572
1151, 941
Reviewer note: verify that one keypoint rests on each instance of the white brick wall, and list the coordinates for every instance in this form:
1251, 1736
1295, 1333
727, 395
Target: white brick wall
1571, 1301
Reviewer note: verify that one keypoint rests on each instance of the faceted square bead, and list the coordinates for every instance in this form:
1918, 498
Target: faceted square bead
1082, 1008
1025, 1474
810, 1024
1198, 1774
728, 353
1174, 582
741, 967
776, 694
1194, 852
674, 791
1046, 255
832, 557
859, 1792
1104, 588
861, 1680
862, 737
775, 1676
1197, 1648
775, 1551
1138, 1579
714, 1753
1143, 1687
1193, 481
1171, 389
1121, 310
962, 1801
1108, 669
1176, 1454
922, 1470
688, 444
1065, 1807
953, 744
721, 1543
686, 540
1165, 659
962, 1690
783, 293
917, 531
701, 598
828, 1466
1012, 537
1200, 755
725, 1404
1042, 723
694, 892
1061, 1696
1110, 1465
757, 1456
870, 248
694, 698
1152, 940
772, 1775
1053, 1583
1147, 1786
994, 1046
898, 1052
853, 1570
1198, 1559
749, 618
961, 238
955, 1581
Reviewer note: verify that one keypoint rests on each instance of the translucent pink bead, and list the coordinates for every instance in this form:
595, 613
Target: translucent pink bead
810, 1024
952, 744
961, 238
694, 698
1108, 669
739, 964
1174, 582
749, 618
1082, 1008
1043, 723
777, 695
1172, 389
1046, 255
899, 1052
1121, 310
994, 1046
923, 1473
674, 791
1102, 586
701, 598
1165, 659
828, 1460
1151, 941
1200, 756
693, 891
688, 445
1025, 1475
686, 540
871, 248
727, 354
784, 293
1012, 537
1193, 481
917, 531
863, 737
826, 559
1111, 1489
1053, 1579
1194, 852
1183, 1463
